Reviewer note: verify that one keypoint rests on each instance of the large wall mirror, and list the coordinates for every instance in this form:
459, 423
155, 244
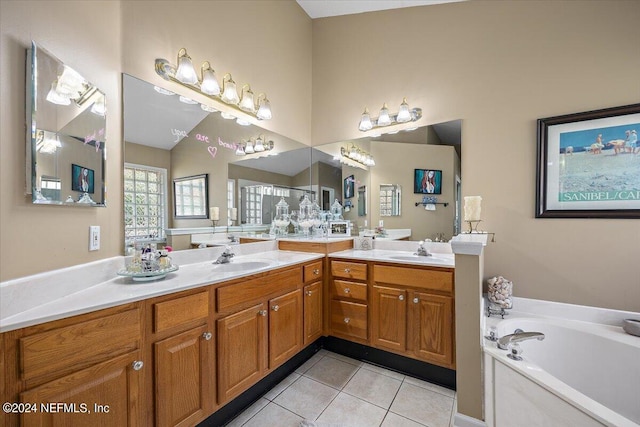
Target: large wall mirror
66, 127
178, 138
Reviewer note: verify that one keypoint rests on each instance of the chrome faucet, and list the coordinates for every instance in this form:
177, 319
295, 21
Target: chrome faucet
421, 251
505, 341
225, 257
232, 238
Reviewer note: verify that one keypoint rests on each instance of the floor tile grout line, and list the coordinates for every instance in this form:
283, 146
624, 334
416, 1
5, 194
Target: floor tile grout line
322, 412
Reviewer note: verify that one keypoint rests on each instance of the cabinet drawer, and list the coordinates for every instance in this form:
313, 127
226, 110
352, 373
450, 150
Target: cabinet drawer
312, 271
175, 312
353, 290
60, 351
349, 318
437, 280
241, 294
349, 270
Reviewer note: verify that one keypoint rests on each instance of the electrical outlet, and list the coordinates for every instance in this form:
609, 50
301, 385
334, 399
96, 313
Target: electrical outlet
94, 237
381, 223
366, 222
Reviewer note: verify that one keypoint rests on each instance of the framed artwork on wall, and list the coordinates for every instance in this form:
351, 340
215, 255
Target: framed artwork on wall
588, 164
349, 186
427, 181
82, 179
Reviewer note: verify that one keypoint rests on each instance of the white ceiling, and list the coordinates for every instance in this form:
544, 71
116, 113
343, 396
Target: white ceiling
325, 8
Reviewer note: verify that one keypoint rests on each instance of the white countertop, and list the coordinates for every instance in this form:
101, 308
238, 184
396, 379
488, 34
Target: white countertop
400, 257
121, 290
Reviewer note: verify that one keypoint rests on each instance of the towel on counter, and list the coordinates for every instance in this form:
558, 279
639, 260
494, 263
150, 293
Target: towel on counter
307, 423
430, 207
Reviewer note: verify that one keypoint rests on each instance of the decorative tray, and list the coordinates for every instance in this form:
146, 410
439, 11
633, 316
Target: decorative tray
147, 276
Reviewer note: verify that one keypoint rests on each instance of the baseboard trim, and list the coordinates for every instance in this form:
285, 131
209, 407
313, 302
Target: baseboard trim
461, 420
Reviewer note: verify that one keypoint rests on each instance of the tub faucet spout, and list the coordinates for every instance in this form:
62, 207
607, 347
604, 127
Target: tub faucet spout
503, 343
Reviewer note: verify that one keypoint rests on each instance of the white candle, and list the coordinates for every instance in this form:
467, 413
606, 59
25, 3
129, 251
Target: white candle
233, 215
472, 208
214, 213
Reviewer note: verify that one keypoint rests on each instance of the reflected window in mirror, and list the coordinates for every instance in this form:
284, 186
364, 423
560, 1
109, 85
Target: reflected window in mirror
191, 197
145, 203
390, 200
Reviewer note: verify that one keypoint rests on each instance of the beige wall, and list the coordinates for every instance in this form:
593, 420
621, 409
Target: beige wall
41, 238
498, 66
274, 56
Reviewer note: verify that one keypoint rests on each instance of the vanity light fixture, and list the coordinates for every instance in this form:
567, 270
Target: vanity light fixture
209, 83
357, 155
259, 145
385, 118
208, 108
246, 103
99, 107
163, 91
242, 122
185, 74
248, 149
229, 91
240, 149
227, 116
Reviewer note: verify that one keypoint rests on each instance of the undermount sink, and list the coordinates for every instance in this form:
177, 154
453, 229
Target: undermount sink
418, 258
240, 266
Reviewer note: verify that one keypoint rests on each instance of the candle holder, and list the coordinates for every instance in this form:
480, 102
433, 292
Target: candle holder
473, 226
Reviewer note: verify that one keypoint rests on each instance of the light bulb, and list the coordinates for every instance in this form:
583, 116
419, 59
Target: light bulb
185, 72
258, 145
365, 121
242, 122
383, 118
99, 107
227, 115
229, 92
209, 83
404, 115
264, 111
249, 148
246, 103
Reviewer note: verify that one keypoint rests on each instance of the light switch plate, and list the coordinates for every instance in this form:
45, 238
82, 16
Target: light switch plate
381, 223
94, 237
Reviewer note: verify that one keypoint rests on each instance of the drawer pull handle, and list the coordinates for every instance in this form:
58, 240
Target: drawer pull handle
347, 270
207, 336
275, 308
309, 293
262, 312
347, 290
416, 300
316, 271
137, 365
401, 297
347, 320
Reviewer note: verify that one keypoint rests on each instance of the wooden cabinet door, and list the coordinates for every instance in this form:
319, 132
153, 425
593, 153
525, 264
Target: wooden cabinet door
389, 318
183, 385
103, 395
285, 327
242, 340
312, 306
431, 328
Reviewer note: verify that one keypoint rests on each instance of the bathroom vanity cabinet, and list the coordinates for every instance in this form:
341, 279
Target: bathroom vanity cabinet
259, 329
408, 310
93, 363
166, 361
413, 312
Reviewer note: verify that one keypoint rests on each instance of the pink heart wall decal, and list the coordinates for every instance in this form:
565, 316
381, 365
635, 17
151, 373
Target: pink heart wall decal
212, 151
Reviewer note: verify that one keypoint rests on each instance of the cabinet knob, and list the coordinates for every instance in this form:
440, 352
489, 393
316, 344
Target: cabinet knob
137, 365
347, 270
262, 312
401, 297
416, 300
316, 271
309, 293
275, 308
347, 290
207, 336
347, 320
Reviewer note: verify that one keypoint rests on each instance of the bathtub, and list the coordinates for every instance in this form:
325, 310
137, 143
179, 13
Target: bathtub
582, 374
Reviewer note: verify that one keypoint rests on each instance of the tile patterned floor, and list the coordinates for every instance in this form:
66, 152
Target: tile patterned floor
335, 389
